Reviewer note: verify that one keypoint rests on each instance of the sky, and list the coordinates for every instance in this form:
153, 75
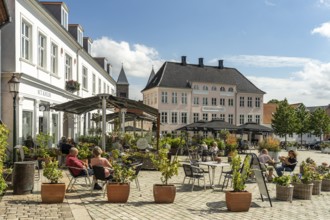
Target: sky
281, 46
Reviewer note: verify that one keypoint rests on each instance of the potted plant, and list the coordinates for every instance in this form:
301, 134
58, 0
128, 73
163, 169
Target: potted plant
165, 193
239, 200
326, 182
123, 173
303, 184
273, 147
84, 153
325, 147
284, 189
52, 192
42, 141
72, 85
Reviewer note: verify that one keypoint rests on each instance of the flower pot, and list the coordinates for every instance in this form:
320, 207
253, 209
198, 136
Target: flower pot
317, 187
284, 193
325, 185
164, 193
118, 192
302, 191
238, 201
52, 192
275, 155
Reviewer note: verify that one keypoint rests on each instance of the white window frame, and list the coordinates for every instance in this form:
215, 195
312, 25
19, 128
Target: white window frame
164, 97
241, 101
174, 117
196, 100
174, 98
54, 59
222, 102
241, 119
205, 101
184, 117
214, 101
94, 84
84, 77
205, 116
163, 117
42, 51
64, 18
184, 98
249, 102
195, 117
26, 40
100, 86
257, 102
68, 67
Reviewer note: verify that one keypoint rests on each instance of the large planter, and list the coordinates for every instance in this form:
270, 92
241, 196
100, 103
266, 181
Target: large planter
325, 185
118, 192
52, 192
302, 191
275, 155
317, 187
164, 193
325, 150
284, 193
238, 201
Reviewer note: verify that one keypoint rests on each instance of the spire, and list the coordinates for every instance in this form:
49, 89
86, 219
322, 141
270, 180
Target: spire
122, 77
152, 74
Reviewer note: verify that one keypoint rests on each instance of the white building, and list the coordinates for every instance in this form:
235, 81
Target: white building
47, 53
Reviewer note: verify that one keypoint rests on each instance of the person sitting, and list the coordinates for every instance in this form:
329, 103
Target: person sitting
265, 158
97, 160
214, 150
204, 151
288, 163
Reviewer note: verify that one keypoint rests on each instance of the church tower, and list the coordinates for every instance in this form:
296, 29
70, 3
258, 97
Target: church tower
122, 84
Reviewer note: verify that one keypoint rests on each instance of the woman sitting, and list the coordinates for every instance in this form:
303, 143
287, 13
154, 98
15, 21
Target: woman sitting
288, 163
97, 160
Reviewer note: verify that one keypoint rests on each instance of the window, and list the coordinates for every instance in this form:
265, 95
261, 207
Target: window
249, 102
68, 67
196, 117
214, 88
94, 83
222, 89
214, 101
100, 86
164, 97
204, 101
241, 119
42, 51
196, 87
27, 123
205, 116
214, 116
108, 89
80, 37
222, 117
53, 58
104, 87
64, 18
174, 117
174, 98
184, 98
231, 118
258, 102
163, 117
249, 118
205, 88
230, 89
84, 78
230, 102
258, 119
26, 41
241, 101
222, 102
184, 117
196, 101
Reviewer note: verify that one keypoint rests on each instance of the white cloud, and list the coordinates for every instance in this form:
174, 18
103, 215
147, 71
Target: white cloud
324, 3
269, 61
269, 3
309, 86
323, 30
137, 59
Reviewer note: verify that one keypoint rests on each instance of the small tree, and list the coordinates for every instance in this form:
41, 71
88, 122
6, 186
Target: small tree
303, 121
320, 122
4, 132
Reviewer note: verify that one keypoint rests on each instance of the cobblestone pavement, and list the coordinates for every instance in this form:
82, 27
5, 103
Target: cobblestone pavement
199, 204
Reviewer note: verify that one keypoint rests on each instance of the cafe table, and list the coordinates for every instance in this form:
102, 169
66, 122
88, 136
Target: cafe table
213, 165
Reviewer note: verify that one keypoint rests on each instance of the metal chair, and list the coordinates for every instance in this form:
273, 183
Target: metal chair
99, 174
74, 178
137, 171
193, 173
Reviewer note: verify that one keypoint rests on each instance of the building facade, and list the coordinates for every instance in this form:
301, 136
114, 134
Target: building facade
53, 62
185, 93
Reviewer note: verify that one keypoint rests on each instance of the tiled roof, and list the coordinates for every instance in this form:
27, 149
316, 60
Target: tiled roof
4, 16
176, 75
122, 80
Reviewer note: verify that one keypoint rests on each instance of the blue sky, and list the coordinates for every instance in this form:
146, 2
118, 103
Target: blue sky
282, 46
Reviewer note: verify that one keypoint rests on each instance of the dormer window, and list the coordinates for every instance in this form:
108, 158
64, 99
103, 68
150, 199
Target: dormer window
214, 88
230, 89
80, 37
64, 18
196, 87
222, 89
205, 88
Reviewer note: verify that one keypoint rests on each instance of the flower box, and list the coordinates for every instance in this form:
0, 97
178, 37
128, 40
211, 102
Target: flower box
72, 85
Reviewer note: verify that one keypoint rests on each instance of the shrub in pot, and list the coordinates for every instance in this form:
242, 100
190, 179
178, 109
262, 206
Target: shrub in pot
239, 199
123, 173
303, 185
317, 183
165, 193
54, 191
326, 182
284, 189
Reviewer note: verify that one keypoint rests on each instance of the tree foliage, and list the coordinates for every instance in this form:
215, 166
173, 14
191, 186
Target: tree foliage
273, 101
319, 122
303, 121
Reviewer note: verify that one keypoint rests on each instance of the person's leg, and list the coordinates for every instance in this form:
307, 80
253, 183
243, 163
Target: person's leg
279, 170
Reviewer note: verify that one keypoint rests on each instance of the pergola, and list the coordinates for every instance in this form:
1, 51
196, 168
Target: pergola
107, 101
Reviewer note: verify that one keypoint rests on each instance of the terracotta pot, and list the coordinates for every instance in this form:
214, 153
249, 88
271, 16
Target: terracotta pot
302, 191
325, 185
164, 193
52, 192
238, 201
284, 193
317, 187
118, 192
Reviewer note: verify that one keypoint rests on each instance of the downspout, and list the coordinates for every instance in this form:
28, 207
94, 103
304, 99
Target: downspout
78, 93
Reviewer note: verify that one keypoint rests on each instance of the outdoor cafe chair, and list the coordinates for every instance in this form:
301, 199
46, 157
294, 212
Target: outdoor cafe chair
73, 178
193, 173
137, 171
99, 174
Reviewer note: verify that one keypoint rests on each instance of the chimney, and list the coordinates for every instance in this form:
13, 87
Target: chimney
183, 60
109, 67
200, 62
220, 64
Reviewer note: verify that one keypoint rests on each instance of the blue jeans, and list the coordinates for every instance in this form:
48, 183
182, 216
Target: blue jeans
83, 172
279, 170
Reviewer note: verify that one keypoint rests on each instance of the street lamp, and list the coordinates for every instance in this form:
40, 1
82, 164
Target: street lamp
13, 89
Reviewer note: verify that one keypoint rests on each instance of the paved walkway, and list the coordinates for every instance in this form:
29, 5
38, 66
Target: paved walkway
199, 204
